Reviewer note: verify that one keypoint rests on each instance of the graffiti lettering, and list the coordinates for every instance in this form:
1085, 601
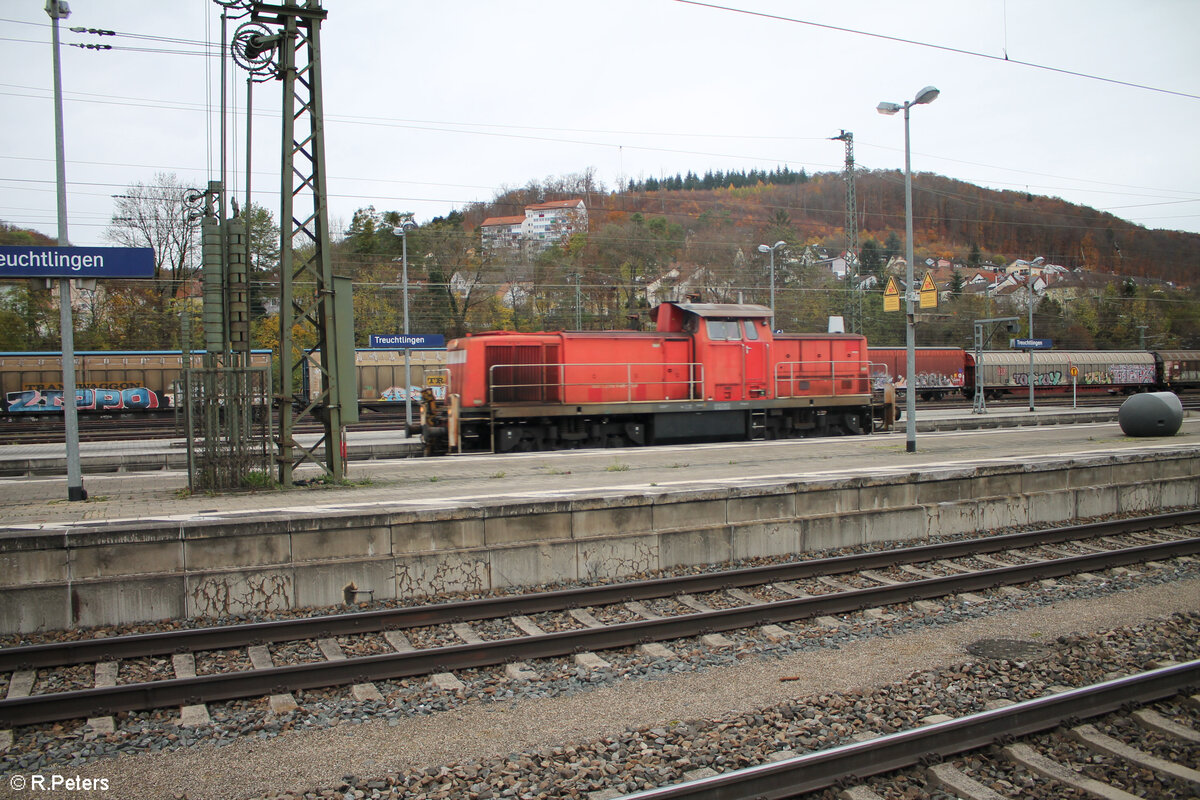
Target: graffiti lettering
1051, 378
29, 401
396, 393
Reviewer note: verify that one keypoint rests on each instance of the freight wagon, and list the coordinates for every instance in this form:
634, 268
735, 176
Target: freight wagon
106, 381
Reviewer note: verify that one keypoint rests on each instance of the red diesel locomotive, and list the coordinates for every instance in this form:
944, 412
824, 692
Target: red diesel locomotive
709, 372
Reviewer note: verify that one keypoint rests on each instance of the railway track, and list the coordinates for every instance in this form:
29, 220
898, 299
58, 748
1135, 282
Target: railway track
131, 672
116, 429
1069, 761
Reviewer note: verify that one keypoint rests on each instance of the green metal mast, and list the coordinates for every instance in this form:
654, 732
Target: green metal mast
309, 302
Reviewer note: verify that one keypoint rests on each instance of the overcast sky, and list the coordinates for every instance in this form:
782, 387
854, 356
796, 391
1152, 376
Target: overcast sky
431, 105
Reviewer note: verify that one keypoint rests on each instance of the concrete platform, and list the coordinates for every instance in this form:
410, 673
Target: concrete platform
142, 549
150, 455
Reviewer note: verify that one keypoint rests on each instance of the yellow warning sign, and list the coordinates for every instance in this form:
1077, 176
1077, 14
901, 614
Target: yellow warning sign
891, 296
929, 293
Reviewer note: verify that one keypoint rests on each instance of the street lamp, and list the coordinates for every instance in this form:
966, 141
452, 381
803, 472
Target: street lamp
402, 230
926, 95
762, 248
1037, 262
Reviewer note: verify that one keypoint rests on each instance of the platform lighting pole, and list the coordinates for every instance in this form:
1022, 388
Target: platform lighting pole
402, 230
762, 248
926, 95
1031, 408
58, 9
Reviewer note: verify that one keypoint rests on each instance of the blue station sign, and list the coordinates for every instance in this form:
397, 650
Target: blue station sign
1031, 344
406, 341
20, 261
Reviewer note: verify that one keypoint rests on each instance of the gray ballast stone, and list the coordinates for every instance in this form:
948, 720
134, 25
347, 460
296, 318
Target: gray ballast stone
858, 793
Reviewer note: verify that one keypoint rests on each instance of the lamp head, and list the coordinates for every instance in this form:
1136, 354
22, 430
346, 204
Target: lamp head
779, 244
762, 248
926, 95
888, 108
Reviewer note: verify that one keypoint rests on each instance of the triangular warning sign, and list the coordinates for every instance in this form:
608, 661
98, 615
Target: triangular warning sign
928, 285
891, 295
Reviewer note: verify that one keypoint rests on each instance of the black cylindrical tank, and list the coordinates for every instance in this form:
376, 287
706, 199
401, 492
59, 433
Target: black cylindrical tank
1151, 414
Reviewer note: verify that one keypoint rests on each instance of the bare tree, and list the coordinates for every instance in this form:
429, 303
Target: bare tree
158, 215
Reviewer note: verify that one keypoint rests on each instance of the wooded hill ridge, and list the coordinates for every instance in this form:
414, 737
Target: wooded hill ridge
951, 218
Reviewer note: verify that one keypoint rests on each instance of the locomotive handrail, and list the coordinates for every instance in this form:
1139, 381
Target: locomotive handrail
554, 391
793, 377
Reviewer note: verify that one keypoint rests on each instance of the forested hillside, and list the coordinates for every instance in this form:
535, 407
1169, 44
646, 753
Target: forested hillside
950, 217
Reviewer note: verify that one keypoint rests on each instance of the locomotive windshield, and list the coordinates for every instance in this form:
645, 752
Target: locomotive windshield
723, 330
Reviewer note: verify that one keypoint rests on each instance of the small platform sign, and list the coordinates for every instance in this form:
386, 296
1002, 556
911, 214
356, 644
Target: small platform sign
929, 292
21, 261
1031, 344
406, 341
891, 295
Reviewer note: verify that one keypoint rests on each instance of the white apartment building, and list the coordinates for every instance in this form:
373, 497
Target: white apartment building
544, 225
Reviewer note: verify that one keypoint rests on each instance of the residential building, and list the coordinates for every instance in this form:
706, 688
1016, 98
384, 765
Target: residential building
541, 226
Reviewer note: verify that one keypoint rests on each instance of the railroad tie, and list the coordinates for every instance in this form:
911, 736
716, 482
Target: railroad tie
656, 650
920, 573
520, 671
465, 632
1094, 740
106, 678
957, 782
878, 578
260, 658
584, 618
591, 661
1035, 762
693, 603
398, 641
528, 626
834, 584
19, 685
774, 633
196, 715
362, 692
1149, 718
641, 610
791, 588
743, 597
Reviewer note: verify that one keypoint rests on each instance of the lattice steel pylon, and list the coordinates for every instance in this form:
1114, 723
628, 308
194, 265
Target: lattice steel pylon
284, 41
854, 305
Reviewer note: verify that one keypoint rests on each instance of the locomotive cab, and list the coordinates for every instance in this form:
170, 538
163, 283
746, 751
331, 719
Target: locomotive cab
732, 341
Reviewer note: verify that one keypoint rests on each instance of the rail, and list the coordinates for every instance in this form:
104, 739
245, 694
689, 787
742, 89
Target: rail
565, 384
833, 378
854, 762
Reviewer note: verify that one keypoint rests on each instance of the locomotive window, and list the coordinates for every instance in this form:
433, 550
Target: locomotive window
720, 330
751, 330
